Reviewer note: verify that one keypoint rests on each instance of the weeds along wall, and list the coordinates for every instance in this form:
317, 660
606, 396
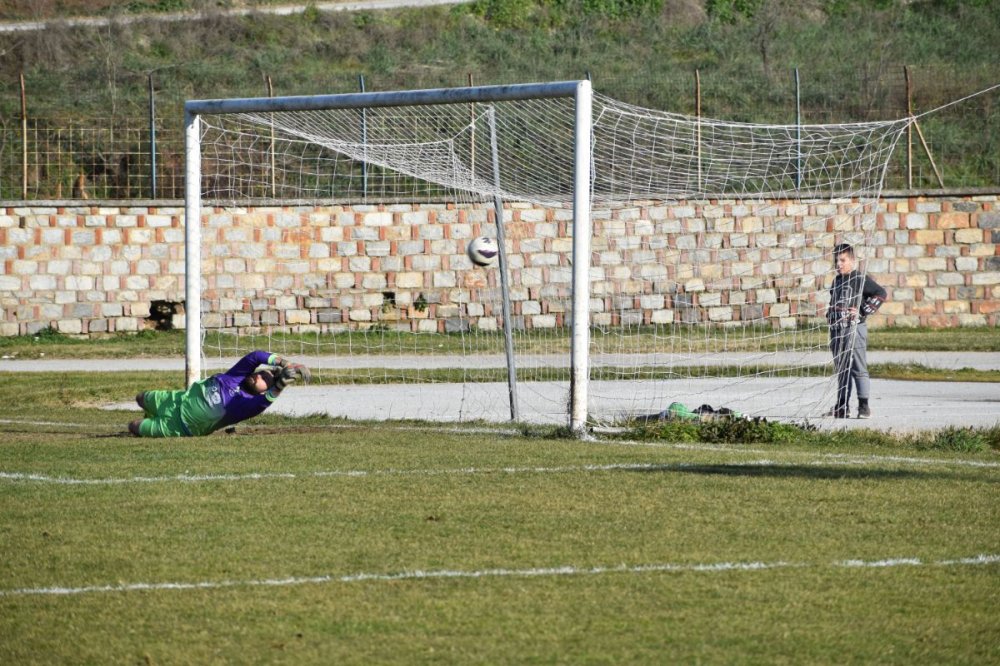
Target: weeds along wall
91, 269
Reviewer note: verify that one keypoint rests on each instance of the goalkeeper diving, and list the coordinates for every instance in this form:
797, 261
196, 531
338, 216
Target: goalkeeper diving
220, 401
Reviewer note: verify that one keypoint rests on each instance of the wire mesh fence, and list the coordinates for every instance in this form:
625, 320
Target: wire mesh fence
135, 155
90, 160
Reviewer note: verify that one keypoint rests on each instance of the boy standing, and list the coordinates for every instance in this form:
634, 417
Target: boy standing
853, 297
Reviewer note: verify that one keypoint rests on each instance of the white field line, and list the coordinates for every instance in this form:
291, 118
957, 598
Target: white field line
258, 476
828, 459
418, 574
43, 423
837, 459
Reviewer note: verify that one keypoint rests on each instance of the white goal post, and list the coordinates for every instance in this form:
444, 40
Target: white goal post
579, 91
647, 258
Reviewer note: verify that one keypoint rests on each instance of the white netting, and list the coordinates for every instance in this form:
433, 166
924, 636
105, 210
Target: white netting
340, 235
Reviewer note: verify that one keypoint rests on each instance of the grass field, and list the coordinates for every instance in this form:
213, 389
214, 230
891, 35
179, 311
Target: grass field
322, 542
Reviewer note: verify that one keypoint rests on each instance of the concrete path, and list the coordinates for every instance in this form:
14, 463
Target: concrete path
897, 405
940, 360
174, 17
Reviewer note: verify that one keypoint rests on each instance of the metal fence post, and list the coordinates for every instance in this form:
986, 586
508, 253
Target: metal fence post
24, 141
152, 139
697, 115
798, 131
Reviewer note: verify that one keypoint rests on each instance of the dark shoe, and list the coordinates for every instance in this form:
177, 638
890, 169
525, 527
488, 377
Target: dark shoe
864, 411
838, 413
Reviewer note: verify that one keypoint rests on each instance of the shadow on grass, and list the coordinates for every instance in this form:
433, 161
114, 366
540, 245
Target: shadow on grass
815, 472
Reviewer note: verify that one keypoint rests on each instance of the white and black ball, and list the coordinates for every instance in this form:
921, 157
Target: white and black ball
483, 251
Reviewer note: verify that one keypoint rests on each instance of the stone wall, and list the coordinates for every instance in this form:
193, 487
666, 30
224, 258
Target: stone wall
90, 269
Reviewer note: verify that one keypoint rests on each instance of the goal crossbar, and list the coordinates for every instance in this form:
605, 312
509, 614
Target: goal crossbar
504, 93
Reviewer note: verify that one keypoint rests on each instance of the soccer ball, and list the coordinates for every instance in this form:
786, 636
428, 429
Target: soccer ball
483, 251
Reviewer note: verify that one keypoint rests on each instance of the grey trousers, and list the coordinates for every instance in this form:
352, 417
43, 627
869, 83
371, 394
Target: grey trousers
849, 345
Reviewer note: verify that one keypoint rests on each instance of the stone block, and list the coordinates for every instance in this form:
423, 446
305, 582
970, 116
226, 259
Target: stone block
971, 320
33, 327
969, 293
929, 236
893, 307
147, 267
932, 264
966, 264
9, 283
69, 326
953, 220
949, 279
986, 278
42, 283
409, 280
329, 317
989, 220
359, 264
988, 307
111, 310
906, 321
137, 282
969, 236
126, 324
297, 317
444, 279
426, 262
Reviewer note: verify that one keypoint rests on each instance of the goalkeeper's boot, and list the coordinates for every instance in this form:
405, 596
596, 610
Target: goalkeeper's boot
864, 411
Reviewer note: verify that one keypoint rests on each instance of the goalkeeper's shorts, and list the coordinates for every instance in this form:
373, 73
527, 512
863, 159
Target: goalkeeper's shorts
163, 415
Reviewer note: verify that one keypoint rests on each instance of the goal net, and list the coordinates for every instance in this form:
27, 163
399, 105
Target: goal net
647, 258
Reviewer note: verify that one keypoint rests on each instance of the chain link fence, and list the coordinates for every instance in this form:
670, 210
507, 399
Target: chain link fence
136, 154
84, 160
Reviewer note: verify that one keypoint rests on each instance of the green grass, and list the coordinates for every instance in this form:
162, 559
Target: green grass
761, 431
420, 497
640, 52
152, 344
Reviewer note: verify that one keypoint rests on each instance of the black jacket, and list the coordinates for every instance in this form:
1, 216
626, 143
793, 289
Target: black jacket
849, 291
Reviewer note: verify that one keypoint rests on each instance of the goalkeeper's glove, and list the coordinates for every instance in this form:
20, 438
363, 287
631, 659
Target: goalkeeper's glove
289, 372
283, 377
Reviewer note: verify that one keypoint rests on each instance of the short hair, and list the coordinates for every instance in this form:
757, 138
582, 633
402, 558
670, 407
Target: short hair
249, 382
843, 248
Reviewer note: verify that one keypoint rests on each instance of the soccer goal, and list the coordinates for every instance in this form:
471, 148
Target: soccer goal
646, 257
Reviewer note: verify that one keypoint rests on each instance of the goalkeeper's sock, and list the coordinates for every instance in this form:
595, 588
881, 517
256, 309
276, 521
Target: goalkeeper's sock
678, 411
